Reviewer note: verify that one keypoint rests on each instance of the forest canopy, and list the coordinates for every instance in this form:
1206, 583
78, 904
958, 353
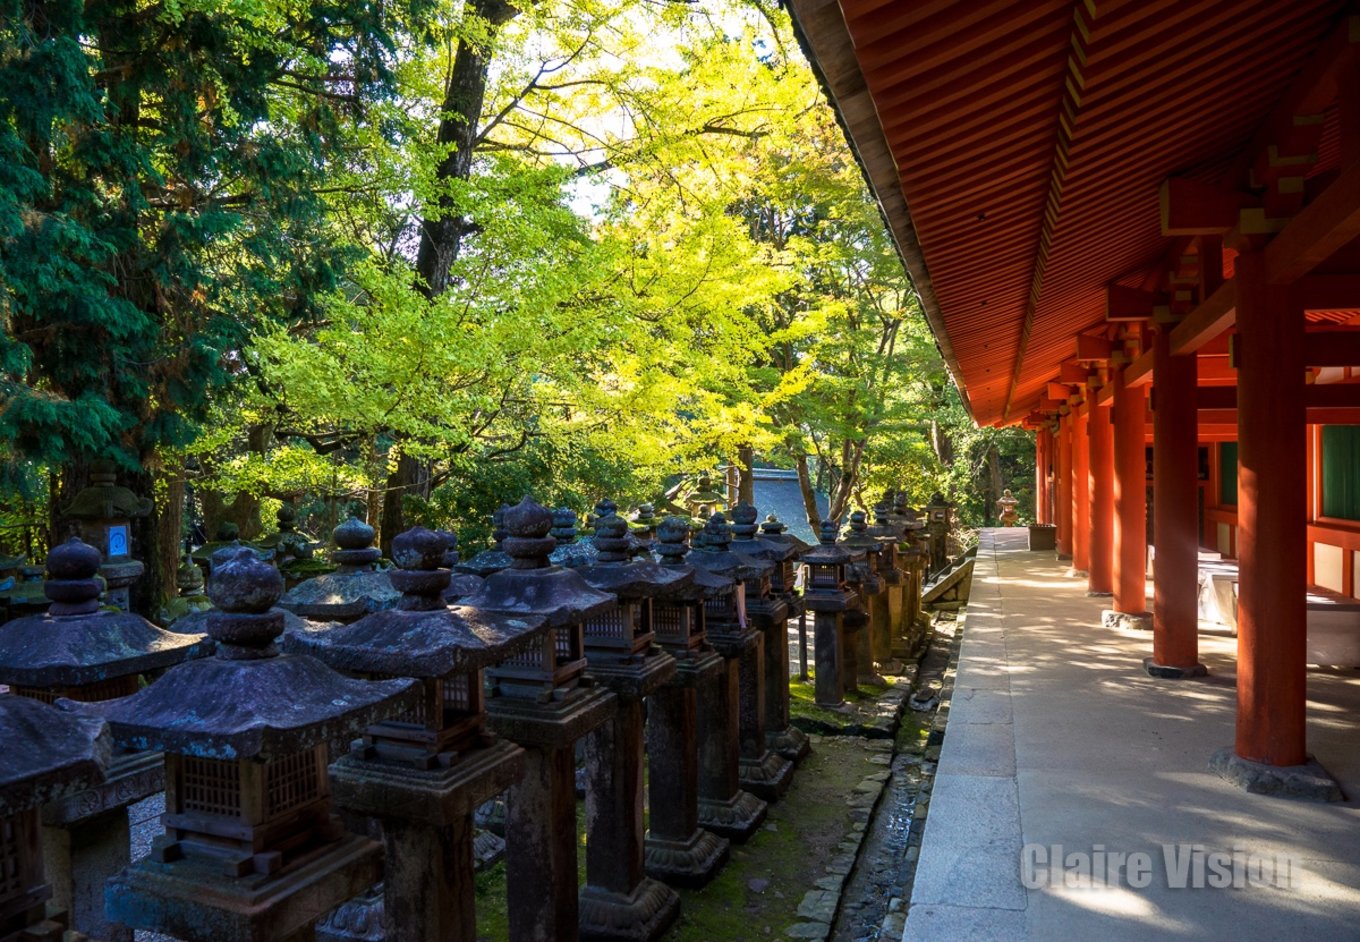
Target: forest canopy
413, 258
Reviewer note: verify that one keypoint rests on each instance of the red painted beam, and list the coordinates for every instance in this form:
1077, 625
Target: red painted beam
1322, 227
1191, 208
1332, 348
1327, 396
1215, 315
1131, 304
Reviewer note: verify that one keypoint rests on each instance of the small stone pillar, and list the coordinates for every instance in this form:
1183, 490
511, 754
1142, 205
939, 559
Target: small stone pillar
540, 702
618, 900
678, 851
724, 807
80, 652
423, 773
570, 552
50, 754
356, 589
828, 596
251, 850
104, 512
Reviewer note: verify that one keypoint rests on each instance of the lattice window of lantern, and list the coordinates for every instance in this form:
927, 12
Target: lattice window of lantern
609, 625
11, 873
457, 694
563, 646
292, 781
670, 621
209, 786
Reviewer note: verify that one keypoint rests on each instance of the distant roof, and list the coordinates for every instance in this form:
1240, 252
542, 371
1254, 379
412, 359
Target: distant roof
777, 492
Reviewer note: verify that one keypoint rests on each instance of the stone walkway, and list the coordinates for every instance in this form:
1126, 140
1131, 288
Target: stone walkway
1057, 737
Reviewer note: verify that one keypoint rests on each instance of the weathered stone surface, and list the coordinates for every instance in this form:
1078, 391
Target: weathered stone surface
74, 643
1307, 782
49, 752
357, 589
1124, 621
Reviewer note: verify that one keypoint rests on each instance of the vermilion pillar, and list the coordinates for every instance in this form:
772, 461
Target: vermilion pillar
1130, 498
1271, 515
1175, 613
1041, 443
1081, 491
1064, 487
1100, 554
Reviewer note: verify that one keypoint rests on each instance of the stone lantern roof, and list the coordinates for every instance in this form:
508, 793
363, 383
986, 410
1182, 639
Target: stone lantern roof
673, 550
421, 637
747, 538
355, 590
249, 701
532, 585
49, 752
615, 571
75, 643
827, 552
713, 552
775, 529
105, 499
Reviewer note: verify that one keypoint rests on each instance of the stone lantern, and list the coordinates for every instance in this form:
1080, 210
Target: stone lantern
888, 628
191, 598
770, 612
618, 900
829, 597
569, 551
679, 851
874, 642
423, 773
857, 659
354, 590
644, 522
251, 849
939, 521
915, 553
724, 806
50, 754
104, 512
81, 652
539, 701
704, 498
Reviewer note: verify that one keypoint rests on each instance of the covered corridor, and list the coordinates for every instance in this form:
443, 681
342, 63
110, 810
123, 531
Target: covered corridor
1057, 736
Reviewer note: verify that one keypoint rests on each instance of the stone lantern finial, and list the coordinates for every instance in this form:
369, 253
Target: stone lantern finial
829, 532
611, 538
71, 583
422, 577
564, 526
744, 521
244, 588
527, 542
670, 541
355, 539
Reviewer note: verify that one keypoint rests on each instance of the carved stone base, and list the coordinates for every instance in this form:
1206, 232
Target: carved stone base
767, 776
689, 863
790, 742
642, 916
736, 819
190, 899
1168, 672
358, 920
1126, 621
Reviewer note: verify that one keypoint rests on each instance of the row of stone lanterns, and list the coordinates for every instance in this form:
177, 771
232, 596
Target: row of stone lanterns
252, 849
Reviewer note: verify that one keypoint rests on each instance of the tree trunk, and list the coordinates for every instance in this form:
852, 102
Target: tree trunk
442, 232
746, 487
814, 516
410, 477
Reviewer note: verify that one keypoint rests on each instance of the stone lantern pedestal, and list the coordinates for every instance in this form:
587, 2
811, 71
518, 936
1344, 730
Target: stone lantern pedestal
724, 807
79, 652
539, 700
423, 773
678, 851
619, 901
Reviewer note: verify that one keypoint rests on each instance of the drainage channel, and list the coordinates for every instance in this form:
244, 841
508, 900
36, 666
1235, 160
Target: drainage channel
874, 900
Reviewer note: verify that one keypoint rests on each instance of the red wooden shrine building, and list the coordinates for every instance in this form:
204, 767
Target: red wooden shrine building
1135, 224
